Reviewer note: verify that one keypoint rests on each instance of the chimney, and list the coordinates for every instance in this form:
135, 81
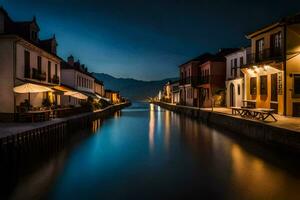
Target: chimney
71, 60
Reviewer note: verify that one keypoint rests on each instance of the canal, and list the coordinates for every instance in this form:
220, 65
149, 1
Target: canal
146, 152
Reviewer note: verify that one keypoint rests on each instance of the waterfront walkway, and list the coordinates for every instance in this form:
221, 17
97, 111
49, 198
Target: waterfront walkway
290, 123
12, 128
284, 122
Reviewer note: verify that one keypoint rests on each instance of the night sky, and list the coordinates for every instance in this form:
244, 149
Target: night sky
146, 39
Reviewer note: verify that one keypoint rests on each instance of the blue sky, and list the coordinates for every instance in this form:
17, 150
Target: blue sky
146, 39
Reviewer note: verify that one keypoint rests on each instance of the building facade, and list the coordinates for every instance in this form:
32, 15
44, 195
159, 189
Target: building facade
189, 75
211, 81
99, 88
114, 96
235, 77
272, 74
25, 58
175, 95
76, 76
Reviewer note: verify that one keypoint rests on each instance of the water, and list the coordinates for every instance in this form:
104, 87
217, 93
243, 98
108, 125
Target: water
146, 152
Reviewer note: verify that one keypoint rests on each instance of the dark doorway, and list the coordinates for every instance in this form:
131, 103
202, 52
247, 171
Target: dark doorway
232, 95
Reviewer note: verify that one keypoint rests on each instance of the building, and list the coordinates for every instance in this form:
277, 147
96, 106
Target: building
114, 96
235, 77
202, 80
189, 74
25, 58
272, 73
99, 87
167, 95
76, 76
175, 96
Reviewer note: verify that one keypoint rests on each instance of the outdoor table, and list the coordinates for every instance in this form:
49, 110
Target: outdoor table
263, 113
39, 115
246, 102
255, 113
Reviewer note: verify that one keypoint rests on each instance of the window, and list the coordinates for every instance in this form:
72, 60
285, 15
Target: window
259, 49
274, 89
296, 84
260, 45
241, 61
49, 71
33, 35
277, 40
231, 66
235, 67
55, 70
253, 85
263, 85
26, 64
239, 89
39, 64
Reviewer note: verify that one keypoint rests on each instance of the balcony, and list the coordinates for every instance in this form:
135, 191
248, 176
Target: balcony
38, 75
265, 55
193, 80
55, 79
200, 80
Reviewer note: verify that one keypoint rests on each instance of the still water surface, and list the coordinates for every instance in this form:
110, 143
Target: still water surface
146, 152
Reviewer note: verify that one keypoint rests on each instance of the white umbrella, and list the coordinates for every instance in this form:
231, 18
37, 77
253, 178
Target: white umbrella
77, 95
31, 88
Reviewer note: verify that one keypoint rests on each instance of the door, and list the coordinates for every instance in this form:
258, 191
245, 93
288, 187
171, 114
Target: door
232, 95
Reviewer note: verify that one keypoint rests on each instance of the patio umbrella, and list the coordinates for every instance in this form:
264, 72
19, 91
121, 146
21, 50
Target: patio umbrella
100, 97
75, 94
31, 88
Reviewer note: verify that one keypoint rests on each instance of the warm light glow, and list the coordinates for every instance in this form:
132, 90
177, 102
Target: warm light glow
266, 67
151, 127
256, 69
250, 71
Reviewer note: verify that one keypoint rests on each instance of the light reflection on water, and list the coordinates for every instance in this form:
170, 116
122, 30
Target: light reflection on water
146, 152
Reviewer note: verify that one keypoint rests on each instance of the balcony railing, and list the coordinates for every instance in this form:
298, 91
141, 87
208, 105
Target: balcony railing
265, 55
55, 79
199, 80
38, 75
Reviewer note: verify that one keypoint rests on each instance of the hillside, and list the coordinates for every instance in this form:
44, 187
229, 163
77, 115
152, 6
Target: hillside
131, 88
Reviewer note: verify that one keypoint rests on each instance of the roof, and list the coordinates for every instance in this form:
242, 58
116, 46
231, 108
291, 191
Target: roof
23, 28
218, 57
198, 58
111, 91
97, 80
293, 19
77, 67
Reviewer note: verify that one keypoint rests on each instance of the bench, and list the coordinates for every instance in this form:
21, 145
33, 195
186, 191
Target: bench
254, 113
263, 113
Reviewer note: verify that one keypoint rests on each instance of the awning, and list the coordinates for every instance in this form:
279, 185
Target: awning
70, 92
75, 94
100, 97
31, 88
89, 94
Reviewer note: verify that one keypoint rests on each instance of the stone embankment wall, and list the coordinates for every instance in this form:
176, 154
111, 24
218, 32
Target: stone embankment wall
260, 131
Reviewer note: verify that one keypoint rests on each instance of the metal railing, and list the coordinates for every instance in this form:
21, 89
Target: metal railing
38, 75
265, 55
199, 80
55, 79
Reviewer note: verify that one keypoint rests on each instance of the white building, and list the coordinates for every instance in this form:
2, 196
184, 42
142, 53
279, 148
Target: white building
24, 58
76, 76
234, 77
175, 95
